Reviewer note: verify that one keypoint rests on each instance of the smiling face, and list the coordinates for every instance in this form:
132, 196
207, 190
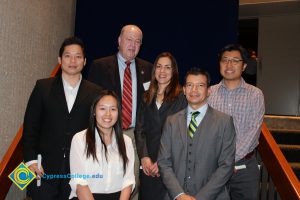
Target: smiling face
232, 65
72, 60
106, 113
196, 90
130, 41
163, 71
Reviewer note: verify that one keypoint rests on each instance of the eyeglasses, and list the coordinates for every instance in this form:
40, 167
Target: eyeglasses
190, 86
234, 61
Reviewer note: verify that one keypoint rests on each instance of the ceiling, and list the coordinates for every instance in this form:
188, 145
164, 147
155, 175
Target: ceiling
257, 8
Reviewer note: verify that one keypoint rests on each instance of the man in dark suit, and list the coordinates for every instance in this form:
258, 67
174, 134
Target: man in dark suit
58, 108
110, 73
197, 150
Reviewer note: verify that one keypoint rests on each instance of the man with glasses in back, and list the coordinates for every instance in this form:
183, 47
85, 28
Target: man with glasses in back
245, 103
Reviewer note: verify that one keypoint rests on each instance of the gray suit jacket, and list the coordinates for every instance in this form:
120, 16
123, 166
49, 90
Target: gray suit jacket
214, 150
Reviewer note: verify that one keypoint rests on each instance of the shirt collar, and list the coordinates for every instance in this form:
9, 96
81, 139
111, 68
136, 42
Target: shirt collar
123, 60
69, 86
113, 139
202, 109
242, 84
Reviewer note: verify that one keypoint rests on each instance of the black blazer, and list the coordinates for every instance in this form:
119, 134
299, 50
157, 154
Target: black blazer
150, 123
48, 125
105, 73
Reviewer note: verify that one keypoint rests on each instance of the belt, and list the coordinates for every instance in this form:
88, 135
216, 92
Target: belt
246, 157
241, 163
249, 155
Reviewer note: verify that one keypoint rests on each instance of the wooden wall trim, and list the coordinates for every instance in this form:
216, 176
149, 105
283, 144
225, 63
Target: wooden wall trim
14, 155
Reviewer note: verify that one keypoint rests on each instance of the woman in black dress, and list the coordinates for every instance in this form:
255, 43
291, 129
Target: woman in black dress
163, 98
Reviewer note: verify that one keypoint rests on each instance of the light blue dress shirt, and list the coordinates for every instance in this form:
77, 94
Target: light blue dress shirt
122, 66
199, 118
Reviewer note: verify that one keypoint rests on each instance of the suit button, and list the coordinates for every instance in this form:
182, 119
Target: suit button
190, 161
190, 153
189, 169
191, 145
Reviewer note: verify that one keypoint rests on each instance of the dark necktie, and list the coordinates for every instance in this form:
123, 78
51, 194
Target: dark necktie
193, 124
127, 97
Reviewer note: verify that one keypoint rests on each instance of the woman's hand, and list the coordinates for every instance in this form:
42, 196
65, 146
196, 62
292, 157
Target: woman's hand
147, 165
154, 170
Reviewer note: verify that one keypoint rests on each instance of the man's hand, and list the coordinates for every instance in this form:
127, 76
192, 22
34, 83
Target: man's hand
34, 168
147, 165
185, 197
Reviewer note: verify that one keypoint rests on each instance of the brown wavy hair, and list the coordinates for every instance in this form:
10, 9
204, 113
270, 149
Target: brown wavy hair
172, 90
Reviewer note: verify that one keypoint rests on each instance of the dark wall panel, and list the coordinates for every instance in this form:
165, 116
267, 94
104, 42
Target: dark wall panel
193, 32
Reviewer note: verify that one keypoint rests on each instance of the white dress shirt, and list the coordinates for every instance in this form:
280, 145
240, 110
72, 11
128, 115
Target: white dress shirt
71, 92
109, 174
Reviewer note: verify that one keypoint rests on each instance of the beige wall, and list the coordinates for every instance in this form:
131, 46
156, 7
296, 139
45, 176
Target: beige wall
31, 32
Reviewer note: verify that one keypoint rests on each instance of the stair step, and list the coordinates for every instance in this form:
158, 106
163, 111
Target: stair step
282, 122
285, 136
291, 152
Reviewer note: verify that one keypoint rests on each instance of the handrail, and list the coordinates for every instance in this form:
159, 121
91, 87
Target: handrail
14, 156
284, 179
282, 174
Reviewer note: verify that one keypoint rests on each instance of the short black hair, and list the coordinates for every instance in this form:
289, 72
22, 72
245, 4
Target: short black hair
197, 71
69, 41
235, 47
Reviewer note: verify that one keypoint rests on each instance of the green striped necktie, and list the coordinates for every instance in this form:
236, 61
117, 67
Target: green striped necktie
193, 124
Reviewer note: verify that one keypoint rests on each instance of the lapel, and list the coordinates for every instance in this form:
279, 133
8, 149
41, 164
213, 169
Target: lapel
81, 94
139, 78
164, 107
182, 126
116, 75
59, 94
203, 128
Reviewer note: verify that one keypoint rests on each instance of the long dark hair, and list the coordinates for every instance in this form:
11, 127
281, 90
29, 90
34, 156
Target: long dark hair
91, 136
172, 90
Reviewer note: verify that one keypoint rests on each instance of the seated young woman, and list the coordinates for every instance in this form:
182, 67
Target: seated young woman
101, 157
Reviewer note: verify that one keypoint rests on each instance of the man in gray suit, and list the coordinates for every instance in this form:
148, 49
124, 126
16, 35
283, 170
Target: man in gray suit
196, 156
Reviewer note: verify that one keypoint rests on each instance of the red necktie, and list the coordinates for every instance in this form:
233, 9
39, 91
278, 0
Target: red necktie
127, 98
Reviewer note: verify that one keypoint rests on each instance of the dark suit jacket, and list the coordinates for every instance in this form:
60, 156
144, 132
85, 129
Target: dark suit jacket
48, 125
214, 150
105, 72
149, 125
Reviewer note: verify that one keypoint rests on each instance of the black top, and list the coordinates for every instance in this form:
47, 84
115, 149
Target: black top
48, 125
150, 123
